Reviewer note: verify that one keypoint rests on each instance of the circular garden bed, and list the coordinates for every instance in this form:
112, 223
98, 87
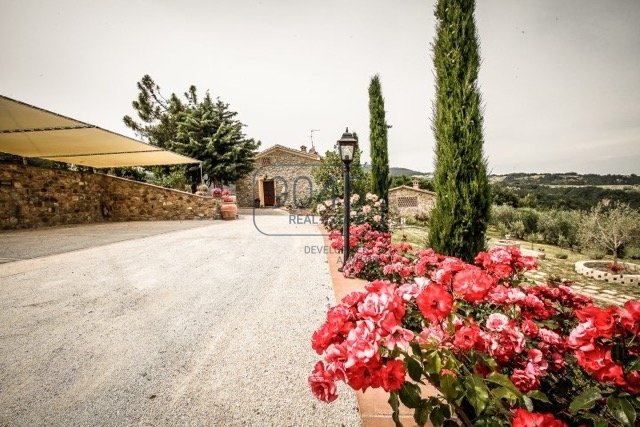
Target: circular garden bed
601, 270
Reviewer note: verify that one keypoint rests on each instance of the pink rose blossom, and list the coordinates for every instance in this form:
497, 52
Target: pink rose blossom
549, 337
323, 384
400, 338
524, 380
496, 322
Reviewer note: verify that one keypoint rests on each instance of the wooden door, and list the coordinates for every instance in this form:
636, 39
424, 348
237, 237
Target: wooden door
269, 191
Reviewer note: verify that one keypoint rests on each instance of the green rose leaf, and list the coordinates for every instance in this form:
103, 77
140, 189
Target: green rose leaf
504, 381
477, 393
410, 395
622, 410
393, 401
619, 353
449, 387
433, 362
538, 395
421, 415
550, 324
395, 405
505, 393
416, 348
437, 416
596, 420
585, 400
414, 368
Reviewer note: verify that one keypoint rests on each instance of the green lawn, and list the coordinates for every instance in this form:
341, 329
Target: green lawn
417, 236
550, 267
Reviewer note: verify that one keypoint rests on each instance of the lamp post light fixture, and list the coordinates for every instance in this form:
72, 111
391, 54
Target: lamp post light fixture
347, 145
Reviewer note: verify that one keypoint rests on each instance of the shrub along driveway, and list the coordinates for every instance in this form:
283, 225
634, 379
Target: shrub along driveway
203, 326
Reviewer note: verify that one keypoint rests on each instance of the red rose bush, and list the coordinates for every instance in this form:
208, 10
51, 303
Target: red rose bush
500, 351
373, 255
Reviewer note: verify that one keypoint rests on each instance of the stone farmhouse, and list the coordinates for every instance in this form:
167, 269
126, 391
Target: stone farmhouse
411, 201
281, 177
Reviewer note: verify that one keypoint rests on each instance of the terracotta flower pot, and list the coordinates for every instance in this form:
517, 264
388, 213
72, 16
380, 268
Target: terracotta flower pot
228, 210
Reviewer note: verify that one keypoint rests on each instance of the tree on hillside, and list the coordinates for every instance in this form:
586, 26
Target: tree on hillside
378, 141
611, 228
503, 195
460, 217
203, 129
399, 180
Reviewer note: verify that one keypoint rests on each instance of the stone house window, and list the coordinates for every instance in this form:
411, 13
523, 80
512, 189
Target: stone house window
407, 202
265, 161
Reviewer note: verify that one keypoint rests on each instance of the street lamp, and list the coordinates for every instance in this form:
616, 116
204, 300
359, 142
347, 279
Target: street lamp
347, 145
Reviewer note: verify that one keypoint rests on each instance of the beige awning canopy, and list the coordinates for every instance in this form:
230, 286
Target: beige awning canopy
30, 131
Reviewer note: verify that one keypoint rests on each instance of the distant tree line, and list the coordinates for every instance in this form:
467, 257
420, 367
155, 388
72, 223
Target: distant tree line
569, 178
569, 198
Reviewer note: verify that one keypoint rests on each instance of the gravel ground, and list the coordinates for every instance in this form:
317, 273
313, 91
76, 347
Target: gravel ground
27, 244
205, 326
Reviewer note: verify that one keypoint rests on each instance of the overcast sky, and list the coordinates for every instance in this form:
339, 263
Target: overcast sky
560, 79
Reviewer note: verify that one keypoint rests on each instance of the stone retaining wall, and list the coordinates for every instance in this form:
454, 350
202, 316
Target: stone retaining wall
35, 197
583, 268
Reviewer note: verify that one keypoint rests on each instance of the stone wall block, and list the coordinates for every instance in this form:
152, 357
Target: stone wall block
32, 197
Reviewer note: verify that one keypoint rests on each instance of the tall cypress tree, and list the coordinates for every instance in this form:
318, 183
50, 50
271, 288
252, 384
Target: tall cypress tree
378, 141
460, 217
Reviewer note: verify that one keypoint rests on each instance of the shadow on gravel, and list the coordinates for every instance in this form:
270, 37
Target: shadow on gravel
27, 244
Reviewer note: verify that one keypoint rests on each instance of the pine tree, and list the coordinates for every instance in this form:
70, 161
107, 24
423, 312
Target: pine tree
205, 130
158, 115
460, 217
210, 132
378, 141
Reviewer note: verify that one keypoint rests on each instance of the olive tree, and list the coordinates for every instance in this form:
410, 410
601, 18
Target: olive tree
610, 227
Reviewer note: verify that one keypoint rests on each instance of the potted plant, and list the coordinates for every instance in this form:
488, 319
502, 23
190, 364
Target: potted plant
228, 208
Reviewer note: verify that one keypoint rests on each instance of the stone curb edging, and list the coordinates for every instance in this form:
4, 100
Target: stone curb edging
627, 279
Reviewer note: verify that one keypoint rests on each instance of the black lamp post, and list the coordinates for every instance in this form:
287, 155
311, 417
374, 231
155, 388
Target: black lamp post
347, 145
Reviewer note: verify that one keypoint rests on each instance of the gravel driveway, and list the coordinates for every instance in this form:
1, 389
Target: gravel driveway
204, 326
